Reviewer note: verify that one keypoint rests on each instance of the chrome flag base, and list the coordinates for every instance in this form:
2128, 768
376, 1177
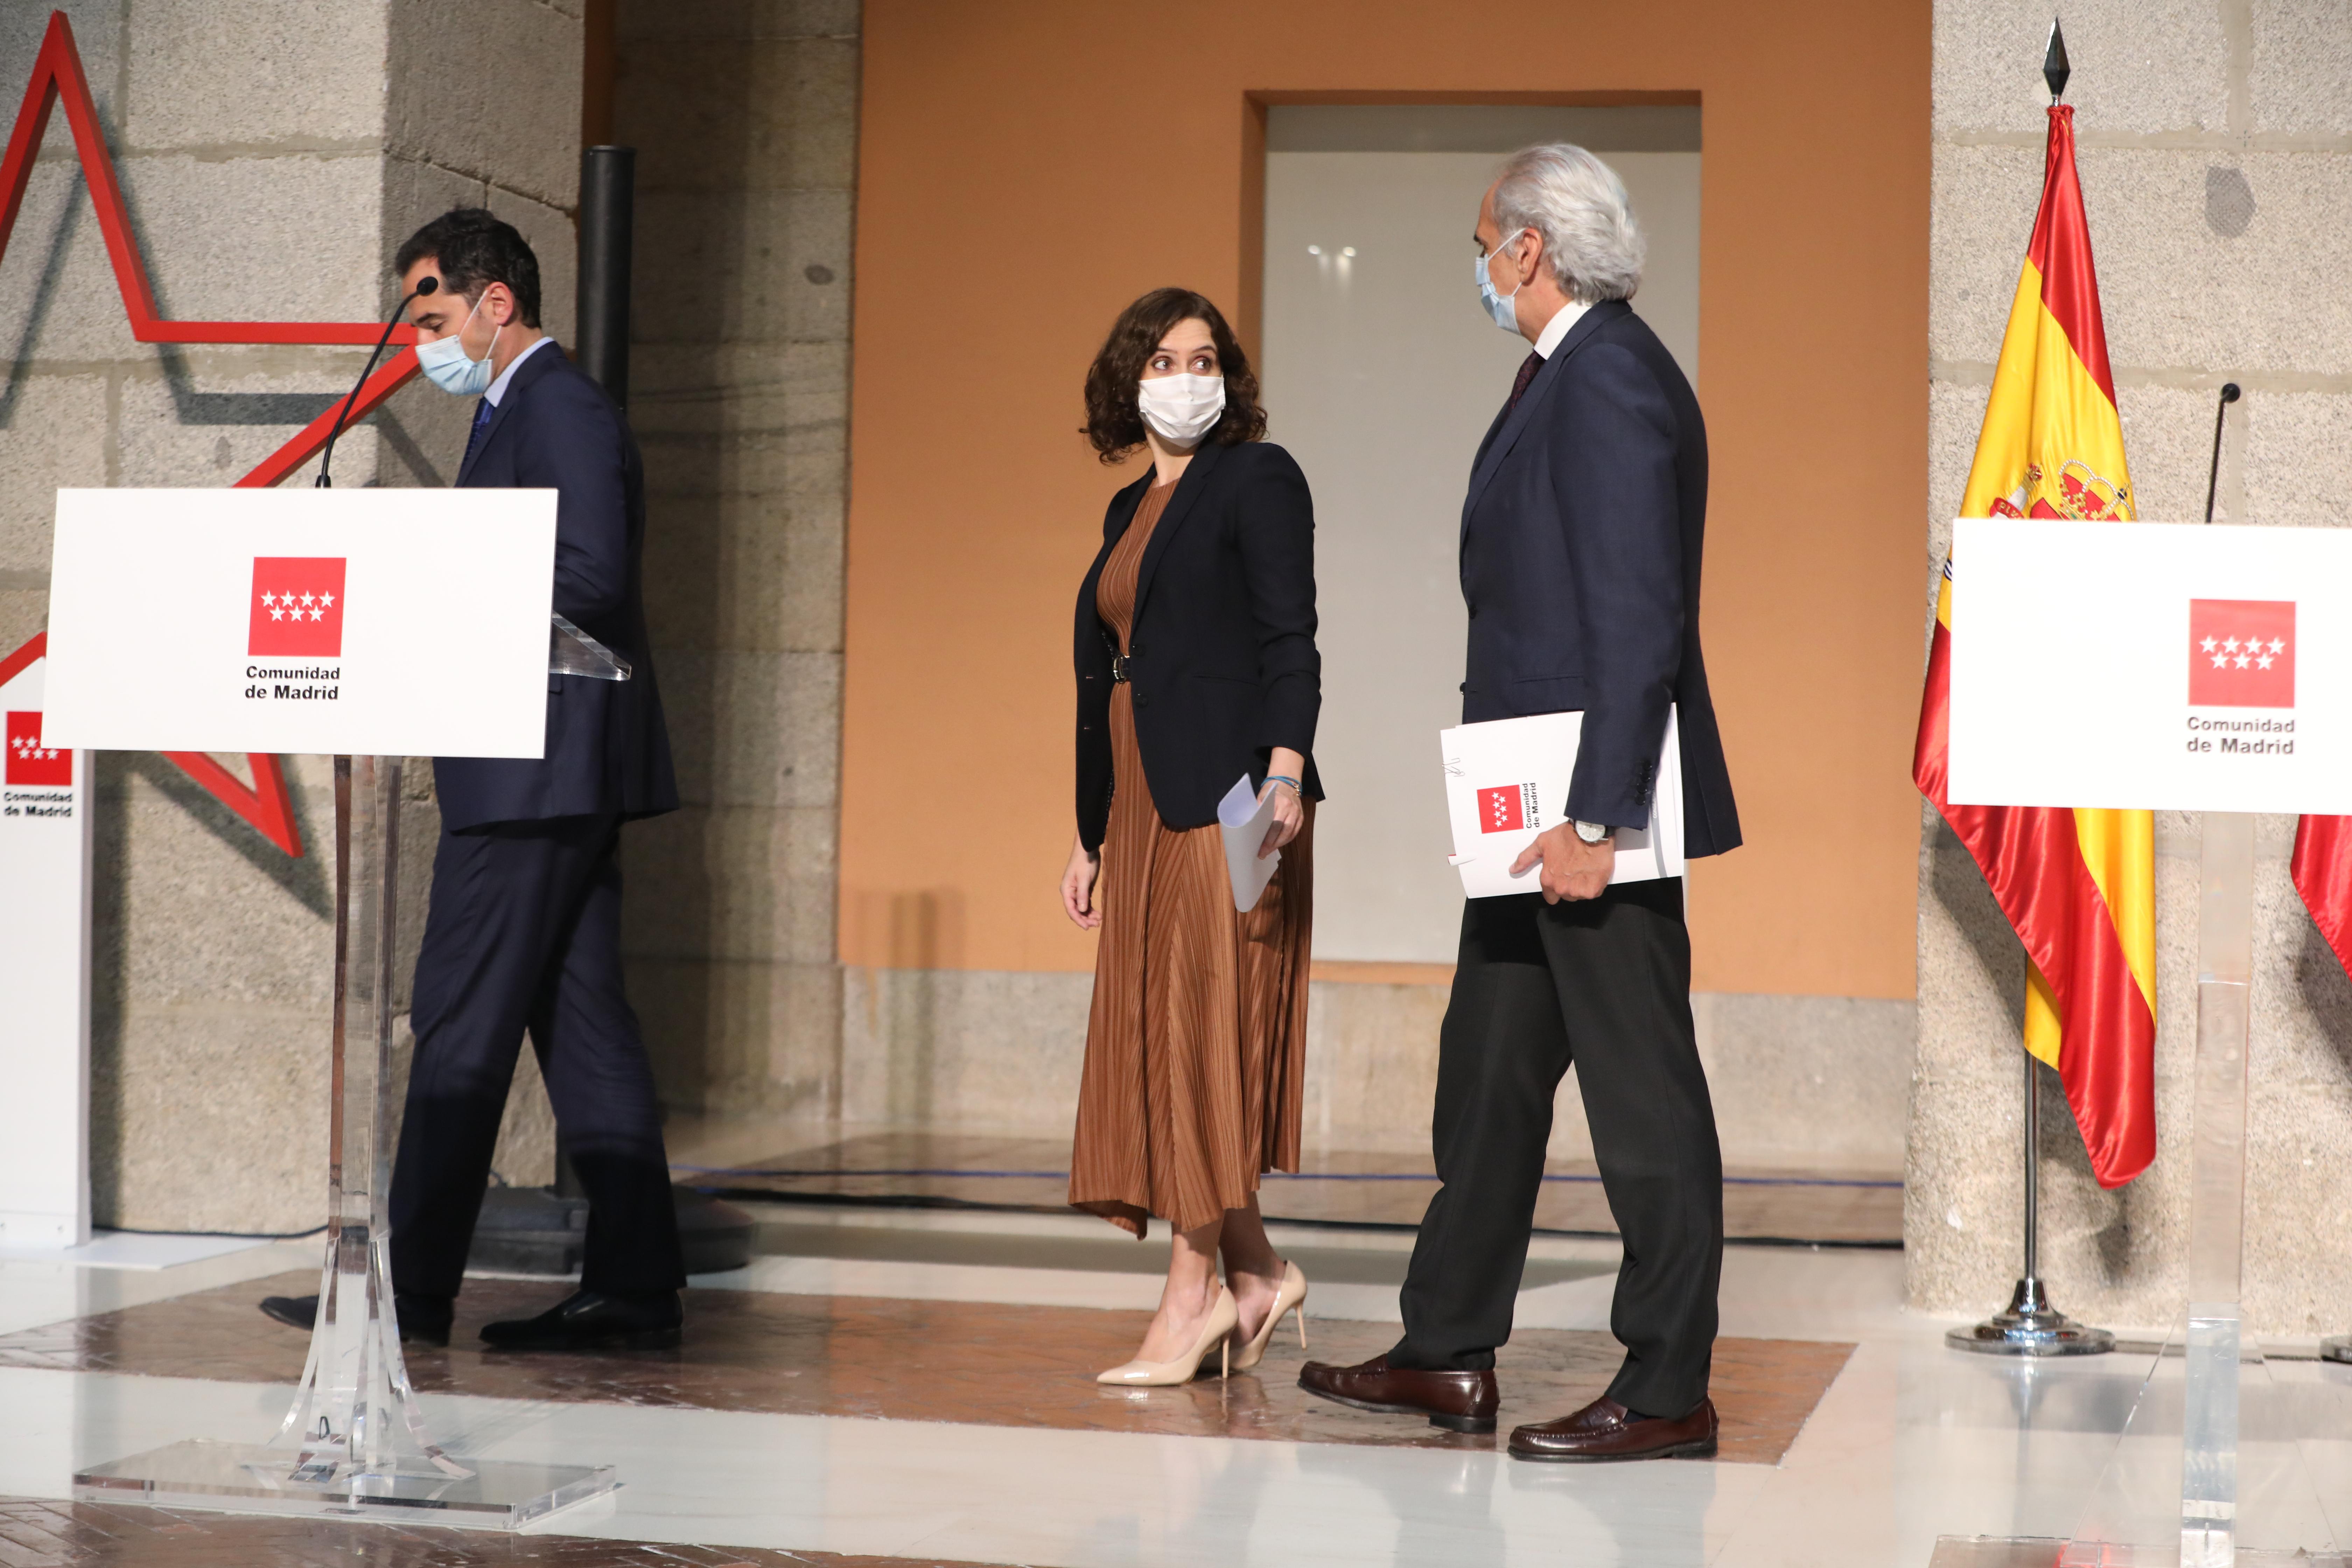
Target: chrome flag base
2030, 1326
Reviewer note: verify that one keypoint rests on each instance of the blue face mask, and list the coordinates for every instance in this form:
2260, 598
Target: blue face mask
448, 366
1498, 305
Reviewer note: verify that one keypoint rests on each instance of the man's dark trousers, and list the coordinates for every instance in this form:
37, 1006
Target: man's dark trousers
524, 932
1604, 982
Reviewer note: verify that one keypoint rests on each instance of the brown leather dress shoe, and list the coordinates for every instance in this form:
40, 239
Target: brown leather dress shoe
1458, 1400
1605, 1429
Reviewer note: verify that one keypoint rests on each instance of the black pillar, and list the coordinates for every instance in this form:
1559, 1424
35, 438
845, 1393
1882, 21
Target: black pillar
607, 218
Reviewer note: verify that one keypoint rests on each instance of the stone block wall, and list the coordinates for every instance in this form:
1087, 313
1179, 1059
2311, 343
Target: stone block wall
2216, 163
1800, 1083
271, 153
744, 118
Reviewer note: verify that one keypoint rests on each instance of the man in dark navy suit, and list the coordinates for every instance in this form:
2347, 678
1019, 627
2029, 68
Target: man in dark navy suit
523, 929
1580, 542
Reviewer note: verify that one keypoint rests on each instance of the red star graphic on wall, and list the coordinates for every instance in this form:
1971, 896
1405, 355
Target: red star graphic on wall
57, 74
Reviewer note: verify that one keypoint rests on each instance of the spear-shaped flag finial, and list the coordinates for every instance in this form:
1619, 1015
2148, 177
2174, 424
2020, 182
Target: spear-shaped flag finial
2055, 69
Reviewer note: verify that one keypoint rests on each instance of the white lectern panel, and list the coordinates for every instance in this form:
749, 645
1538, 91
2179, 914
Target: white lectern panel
399, 622
44, 978
2178, 667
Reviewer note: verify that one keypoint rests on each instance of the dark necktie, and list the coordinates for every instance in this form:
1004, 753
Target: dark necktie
1527, 368
483, 410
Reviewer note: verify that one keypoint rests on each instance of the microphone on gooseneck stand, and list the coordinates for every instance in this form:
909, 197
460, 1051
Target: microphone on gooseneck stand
2220, 412
327, 458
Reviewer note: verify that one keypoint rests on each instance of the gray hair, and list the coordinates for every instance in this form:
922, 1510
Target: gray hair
1577, 204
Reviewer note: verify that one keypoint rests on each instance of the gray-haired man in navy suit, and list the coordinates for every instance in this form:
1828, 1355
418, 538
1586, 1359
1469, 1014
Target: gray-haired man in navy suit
1580, 544
523, 929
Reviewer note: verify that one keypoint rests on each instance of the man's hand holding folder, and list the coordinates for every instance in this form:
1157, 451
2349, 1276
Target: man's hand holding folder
1571, 868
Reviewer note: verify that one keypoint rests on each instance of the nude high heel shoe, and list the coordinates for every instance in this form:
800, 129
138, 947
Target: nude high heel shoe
1290, 1297
1216, 1333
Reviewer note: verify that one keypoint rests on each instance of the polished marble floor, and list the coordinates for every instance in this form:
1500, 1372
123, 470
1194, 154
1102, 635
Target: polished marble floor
880, 1358
37, 1533
913, 1387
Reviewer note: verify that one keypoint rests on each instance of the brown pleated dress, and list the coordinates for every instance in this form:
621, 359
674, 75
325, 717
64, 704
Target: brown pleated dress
1197, 1044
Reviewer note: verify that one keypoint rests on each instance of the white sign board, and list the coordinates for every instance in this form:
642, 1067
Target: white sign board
2160, 665
396, 622
45, 846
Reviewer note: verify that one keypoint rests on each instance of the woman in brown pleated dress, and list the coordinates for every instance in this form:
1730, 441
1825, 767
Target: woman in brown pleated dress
1196, 671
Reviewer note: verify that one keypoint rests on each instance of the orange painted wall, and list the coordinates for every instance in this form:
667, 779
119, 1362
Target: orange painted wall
1028, 166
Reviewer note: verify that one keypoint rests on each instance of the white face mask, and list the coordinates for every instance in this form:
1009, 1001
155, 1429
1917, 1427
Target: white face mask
1500, 306
446, 364
1182, 407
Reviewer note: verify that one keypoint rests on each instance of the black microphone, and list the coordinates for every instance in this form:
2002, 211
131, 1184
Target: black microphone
2220, 412
327, 458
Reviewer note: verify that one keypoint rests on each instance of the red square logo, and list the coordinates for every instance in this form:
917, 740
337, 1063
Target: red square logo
2241, 653
298, 607
29, 762
1503, 810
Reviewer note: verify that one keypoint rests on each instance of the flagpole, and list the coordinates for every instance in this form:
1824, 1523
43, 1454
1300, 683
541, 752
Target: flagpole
2030, 1326
2031, 1281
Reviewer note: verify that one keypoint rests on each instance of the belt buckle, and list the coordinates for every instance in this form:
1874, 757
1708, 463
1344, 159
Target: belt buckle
1117, 669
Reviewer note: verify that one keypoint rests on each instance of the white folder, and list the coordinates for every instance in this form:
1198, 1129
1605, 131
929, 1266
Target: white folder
1244, 819
1507, 780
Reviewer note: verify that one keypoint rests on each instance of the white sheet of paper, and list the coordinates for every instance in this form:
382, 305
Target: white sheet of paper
1506, 782
1243, 817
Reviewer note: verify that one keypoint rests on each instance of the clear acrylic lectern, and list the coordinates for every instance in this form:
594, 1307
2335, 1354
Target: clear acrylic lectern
2211, 1412
2203, 674
355, 1441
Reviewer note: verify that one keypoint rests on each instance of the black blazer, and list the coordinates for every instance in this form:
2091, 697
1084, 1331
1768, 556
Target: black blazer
1581, 545
607, 743
1221, 648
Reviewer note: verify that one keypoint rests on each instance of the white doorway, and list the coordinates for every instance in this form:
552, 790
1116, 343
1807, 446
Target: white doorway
1380, 375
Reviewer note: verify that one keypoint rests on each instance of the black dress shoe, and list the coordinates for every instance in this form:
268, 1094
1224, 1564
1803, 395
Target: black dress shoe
590, 1320
424, 1319
1605, 1429
1458, 1400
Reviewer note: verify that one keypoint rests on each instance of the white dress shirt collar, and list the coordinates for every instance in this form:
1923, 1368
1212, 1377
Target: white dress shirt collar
1546, 340
498, 387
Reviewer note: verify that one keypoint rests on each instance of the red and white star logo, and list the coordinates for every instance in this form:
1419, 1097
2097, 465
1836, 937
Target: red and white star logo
31, 762
298, 607
1503, 809
2241, 653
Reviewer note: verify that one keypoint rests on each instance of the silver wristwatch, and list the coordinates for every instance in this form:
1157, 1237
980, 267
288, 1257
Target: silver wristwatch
1593, 832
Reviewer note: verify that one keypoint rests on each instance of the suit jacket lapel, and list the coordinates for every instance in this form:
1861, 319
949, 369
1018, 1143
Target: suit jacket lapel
1494, 429
1180, 506
1500, 442
530, 370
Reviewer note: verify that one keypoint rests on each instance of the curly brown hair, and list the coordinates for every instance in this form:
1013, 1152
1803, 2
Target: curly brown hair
1113, 425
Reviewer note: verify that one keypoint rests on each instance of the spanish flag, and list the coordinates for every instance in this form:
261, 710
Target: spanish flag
2080, 884
2322, 875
